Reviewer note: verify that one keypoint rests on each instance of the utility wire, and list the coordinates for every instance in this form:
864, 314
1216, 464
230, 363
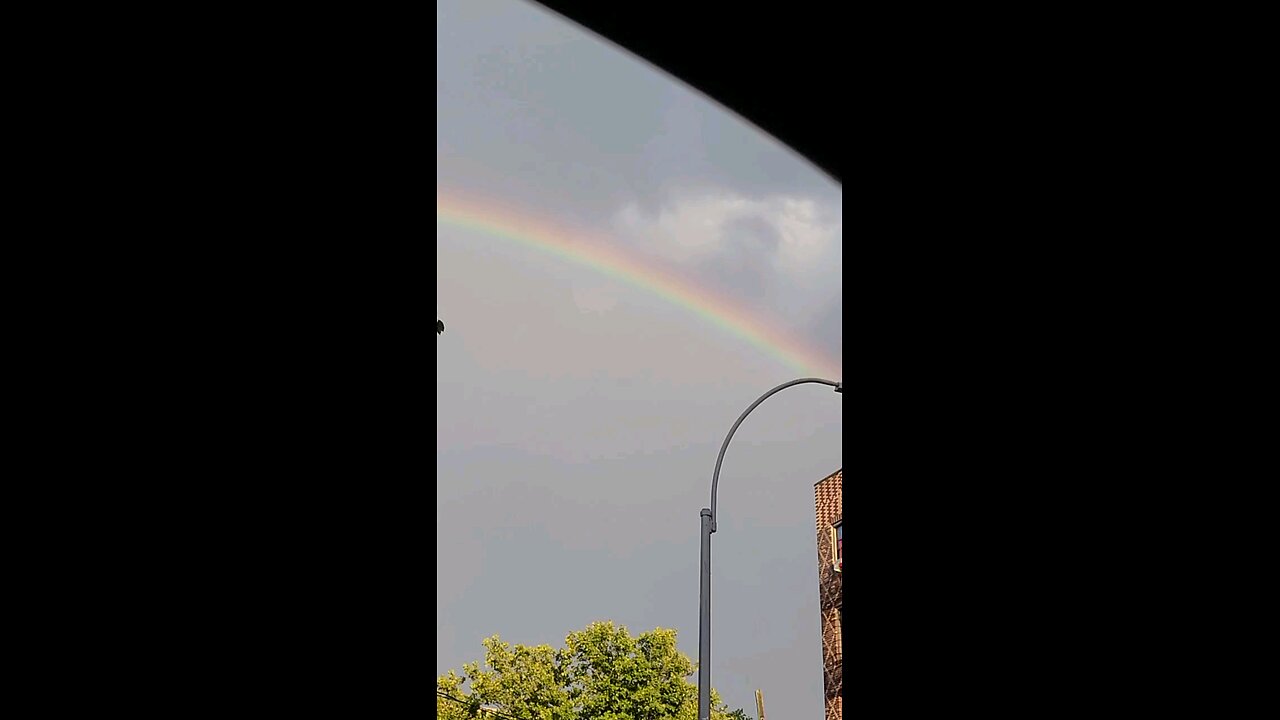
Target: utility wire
461, 701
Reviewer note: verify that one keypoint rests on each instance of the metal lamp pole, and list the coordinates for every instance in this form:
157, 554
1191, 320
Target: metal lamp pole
708, 516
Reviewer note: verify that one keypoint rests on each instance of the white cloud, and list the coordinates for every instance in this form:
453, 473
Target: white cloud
806, 235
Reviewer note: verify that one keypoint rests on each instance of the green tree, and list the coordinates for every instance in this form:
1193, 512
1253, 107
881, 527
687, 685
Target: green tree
602, 673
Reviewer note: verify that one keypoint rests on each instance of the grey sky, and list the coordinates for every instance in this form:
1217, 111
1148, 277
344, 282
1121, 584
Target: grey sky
579, 418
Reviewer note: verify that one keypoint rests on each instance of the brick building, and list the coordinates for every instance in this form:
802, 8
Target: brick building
829, 509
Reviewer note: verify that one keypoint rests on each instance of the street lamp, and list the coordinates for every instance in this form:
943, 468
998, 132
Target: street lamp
708, 516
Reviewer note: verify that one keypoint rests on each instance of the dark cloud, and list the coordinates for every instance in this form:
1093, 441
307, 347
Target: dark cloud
827, 328
745, 262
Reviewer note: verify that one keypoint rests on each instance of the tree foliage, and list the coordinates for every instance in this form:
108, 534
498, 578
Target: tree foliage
602, 673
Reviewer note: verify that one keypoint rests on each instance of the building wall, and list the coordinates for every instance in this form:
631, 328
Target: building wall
829, 508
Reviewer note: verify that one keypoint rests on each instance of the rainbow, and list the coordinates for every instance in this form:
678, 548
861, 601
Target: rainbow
495, 219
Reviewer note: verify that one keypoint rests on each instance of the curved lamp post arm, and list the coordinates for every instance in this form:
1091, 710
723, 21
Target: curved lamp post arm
715, 478
708, 519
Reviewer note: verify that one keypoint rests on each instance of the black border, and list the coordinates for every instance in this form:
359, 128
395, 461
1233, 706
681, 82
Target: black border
267, 370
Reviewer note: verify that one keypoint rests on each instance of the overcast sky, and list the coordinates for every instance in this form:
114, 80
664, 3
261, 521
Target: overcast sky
579, 417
